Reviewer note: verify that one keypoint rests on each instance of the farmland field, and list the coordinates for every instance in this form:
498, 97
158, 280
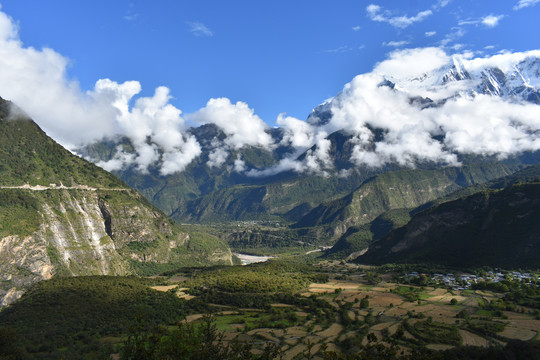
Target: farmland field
357, 311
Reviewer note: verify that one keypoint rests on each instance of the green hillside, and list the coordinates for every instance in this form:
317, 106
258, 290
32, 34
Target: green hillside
199, 193
496, 228
358, 238
63, 216
67, 317
403, 189
28, 155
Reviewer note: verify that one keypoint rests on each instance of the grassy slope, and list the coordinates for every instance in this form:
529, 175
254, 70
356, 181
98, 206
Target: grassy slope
28, 155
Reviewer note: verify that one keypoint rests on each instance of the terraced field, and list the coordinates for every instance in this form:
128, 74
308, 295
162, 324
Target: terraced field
357, 313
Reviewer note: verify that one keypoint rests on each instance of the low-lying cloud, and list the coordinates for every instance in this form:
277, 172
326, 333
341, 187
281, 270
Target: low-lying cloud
469, 123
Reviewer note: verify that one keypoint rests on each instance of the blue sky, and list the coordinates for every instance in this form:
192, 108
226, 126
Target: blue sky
277, 56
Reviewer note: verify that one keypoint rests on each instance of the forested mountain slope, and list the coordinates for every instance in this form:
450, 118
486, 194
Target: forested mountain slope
496, 228
61, 215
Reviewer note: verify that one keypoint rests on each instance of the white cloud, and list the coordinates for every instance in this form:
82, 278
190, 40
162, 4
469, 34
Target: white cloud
182, 155
504, 61
150, 119
286, 164
341, 49
199, 29
430, 33
238, 121
297, 133
119, 162
492, 20
481, 124
130, 17
376, 13
217, 157
489, 126
412, 62
455, 34
489, 21
441, 4
396, 43
316, 161
525, 3
239, 165
468, 22
37, 81
356, 28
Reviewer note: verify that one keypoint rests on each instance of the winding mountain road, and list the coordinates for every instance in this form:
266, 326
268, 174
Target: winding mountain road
60, 187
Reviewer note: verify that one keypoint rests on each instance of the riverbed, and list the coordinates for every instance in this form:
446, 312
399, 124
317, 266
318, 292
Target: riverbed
251, 259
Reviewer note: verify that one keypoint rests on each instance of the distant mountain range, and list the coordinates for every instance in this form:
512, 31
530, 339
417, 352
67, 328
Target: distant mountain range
410, 166
517, 80
358, 166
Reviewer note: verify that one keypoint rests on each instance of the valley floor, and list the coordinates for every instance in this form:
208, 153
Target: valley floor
361, 311
320, 311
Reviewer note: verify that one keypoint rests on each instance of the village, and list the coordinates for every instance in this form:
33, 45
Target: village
464, 281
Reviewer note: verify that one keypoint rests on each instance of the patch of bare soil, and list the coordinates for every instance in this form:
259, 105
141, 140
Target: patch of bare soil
439, 347
293, 352
473, 339
446, 298
381, 326
163, 288
177, 279
514, 332
332, 332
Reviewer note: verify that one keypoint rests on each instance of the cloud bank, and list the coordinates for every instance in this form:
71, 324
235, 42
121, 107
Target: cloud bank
37, 81
479, 124
404, 111
392, 116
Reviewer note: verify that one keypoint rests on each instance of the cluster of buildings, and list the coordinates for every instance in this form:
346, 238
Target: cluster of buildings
464, 281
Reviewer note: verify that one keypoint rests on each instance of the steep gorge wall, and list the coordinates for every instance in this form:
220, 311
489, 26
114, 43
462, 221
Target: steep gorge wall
84, 232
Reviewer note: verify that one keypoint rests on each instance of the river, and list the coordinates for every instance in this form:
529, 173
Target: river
251, 259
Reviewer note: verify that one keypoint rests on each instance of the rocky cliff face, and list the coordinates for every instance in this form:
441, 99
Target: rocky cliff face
92, 232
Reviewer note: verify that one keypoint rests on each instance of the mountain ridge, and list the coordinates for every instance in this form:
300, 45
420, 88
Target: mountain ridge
490, 228
63, 216
383, 122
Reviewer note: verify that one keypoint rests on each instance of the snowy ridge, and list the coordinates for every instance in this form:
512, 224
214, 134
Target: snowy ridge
510, 77
518, 80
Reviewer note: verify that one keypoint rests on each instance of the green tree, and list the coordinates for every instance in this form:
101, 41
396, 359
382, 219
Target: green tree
189, 341
364, 303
